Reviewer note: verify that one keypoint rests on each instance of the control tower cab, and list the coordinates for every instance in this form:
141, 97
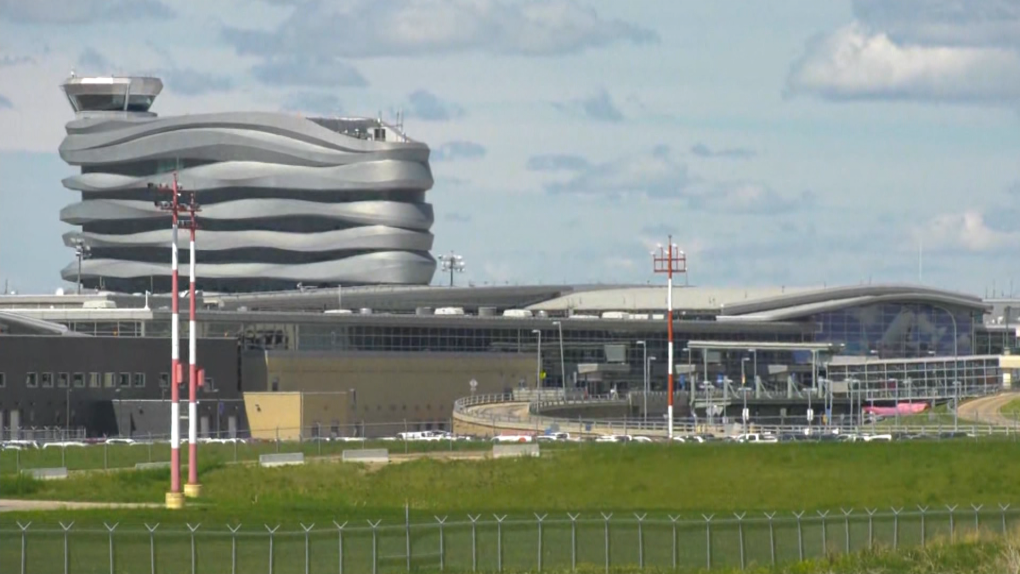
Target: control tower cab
111, 94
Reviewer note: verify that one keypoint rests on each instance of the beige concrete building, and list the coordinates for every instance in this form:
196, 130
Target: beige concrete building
383, 393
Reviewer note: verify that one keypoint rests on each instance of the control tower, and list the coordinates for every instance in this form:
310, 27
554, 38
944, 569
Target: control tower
286, 200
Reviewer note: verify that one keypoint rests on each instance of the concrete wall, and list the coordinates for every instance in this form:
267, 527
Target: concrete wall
389, 392
326, 414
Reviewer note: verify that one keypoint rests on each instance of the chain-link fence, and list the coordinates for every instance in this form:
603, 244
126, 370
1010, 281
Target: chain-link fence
491, 543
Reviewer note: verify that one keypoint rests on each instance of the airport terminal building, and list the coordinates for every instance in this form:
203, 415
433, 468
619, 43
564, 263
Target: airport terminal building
402, 355
316, 312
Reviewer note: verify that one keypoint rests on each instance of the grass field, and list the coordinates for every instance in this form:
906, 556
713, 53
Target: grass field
1011, 409
98, 457
659, 480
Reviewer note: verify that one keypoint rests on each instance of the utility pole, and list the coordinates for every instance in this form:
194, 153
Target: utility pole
669, 261
81, 251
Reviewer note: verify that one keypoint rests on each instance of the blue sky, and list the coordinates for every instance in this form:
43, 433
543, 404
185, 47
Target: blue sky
791, 142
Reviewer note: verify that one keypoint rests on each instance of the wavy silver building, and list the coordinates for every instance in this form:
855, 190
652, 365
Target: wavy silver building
286, 200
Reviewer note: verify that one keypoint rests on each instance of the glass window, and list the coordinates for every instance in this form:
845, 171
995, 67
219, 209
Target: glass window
109, 380
3, 380
94, 380
124, 380
210, 385
47, 380
63, 380
78, 380
164, 380
31, 380
139, 381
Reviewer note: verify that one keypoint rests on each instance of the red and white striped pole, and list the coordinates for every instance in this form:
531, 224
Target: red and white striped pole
193, 488
669, 262
174, 498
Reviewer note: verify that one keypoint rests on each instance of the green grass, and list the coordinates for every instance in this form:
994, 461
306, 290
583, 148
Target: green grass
1011, 409
659, 480
100, 457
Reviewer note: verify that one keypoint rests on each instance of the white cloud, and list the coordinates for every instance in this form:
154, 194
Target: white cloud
415, 28
857, 63
967, 231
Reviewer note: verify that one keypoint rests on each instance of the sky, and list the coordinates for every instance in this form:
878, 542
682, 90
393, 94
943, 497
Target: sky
789, 142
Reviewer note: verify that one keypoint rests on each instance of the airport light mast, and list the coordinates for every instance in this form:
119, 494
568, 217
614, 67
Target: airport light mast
196, 376
174, 498
451, 263
669, 261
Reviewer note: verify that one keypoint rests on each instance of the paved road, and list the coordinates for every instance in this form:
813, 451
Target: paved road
9, 505
986, 410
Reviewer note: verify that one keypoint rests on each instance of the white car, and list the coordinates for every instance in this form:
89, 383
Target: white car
756, 438
63, 444
642, 439
877, 438
127, 441
613, 438
511, 438
18, 444
558, 436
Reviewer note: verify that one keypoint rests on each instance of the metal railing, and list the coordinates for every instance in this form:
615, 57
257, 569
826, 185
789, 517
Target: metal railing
592, 541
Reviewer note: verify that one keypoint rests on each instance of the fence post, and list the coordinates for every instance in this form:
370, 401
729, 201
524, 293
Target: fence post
272, 531
952, 525
106, 464
606, 518
740, 539
800, 535
67, 528
825, 541
772, 537
24, 529
442, 544
673, 520
1003, 509
193, 529
407, 531
573, 541
896, 528
641, 539
977, 517
474, 541
540, 519
375, 544
871, 527
233, 548
308, 554
846, 526
924, 511
152, 547
340, 546
499, 541
708, 540
110, 530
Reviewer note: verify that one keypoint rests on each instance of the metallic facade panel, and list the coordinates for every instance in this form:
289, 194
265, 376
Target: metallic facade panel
249, 171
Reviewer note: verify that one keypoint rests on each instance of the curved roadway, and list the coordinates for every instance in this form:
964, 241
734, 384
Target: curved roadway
988, 410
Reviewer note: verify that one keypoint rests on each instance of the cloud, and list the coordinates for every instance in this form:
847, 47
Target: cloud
455, 217
599, 106
302, 70
191, 82
557, 162
5, 102
932, 50
90, 61
9, 60
81, 11
455, 150
702, 150
374, 28
317, 103
658, 175
968, 231
427, 106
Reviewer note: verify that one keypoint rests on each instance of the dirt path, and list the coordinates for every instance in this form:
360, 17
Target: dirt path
10, 505
987, 410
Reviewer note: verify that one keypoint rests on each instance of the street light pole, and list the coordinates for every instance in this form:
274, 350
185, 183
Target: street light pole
648, 379
563, 366
644, 376
538, 360
452, 263
81, 251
